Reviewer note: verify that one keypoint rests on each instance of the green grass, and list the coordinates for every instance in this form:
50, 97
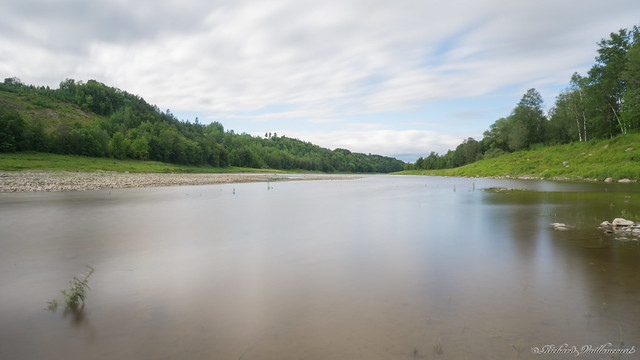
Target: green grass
46, 161
50, 113
597, 159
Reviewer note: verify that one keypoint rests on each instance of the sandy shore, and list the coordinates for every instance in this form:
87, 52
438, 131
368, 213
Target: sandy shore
25, 181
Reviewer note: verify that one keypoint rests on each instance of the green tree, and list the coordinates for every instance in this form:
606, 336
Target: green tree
497, 137
631, 99
607, 85
579, 104
568, 118
120, 146
467, 152
12, 131
529, 119
518, 136
564, 123
140, 148
37, 136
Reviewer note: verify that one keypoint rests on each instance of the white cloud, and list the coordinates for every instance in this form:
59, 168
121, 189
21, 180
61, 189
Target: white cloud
312, 62
404, 144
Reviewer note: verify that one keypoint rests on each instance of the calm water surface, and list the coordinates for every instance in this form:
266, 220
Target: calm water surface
383, 267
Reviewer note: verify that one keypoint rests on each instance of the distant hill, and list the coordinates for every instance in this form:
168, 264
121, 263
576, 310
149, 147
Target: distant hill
93, 119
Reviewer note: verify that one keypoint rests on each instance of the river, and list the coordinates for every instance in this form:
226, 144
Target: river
381, 267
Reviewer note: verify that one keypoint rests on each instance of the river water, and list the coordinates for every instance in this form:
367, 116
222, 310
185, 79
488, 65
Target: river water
382, 267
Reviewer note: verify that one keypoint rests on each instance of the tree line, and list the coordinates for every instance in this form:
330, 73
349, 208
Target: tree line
601, 104
125, 126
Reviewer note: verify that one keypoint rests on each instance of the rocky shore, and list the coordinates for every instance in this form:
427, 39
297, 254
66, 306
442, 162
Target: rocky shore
620, 226
556, 178
29, 181
623, 229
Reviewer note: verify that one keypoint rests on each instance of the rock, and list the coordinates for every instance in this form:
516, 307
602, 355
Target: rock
559, 226
605, 224
620, 222
565, 163
625, 180
608, 180
606, 146
628, 149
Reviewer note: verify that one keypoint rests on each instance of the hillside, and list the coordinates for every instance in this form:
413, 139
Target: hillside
94, 120
599, 105
618, 158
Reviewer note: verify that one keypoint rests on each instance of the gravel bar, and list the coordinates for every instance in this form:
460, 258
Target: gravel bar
30, 181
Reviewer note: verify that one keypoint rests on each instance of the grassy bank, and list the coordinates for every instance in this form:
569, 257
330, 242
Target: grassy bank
591, 160
45, 161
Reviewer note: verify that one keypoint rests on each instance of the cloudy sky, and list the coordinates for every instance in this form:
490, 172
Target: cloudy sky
399, 78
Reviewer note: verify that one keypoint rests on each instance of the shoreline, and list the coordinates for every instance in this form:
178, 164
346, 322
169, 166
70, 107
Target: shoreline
554, 178
53, 181
533, 177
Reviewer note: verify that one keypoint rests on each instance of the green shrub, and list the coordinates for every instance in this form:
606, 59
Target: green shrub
76, 293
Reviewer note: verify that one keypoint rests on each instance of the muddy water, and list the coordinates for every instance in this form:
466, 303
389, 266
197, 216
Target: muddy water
377, 268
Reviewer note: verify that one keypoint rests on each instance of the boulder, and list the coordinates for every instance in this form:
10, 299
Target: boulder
625, 180
608, 180
620, 222
628, 149
605, 224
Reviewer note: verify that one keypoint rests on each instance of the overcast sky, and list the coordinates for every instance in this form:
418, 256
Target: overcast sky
399, 78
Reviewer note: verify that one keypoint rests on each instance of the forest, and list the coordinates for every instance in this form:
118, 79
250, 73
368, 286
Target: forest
601, 104
124, 126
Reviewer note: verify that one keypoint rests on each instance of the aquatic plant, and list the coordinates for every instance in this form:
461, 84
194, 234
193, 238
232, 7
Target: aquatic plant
76, 293
52, 305
465, 326
437, 348
587, 314
517, 347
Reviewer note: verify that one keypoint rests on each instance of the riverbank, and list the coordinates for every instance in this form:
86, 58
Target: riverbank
611, 160
56, 162
520, 177
34, 181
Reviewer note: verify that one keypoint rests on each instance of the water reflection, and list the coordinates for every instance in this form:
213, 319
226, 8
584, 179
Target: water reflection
77, 316
380, 267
